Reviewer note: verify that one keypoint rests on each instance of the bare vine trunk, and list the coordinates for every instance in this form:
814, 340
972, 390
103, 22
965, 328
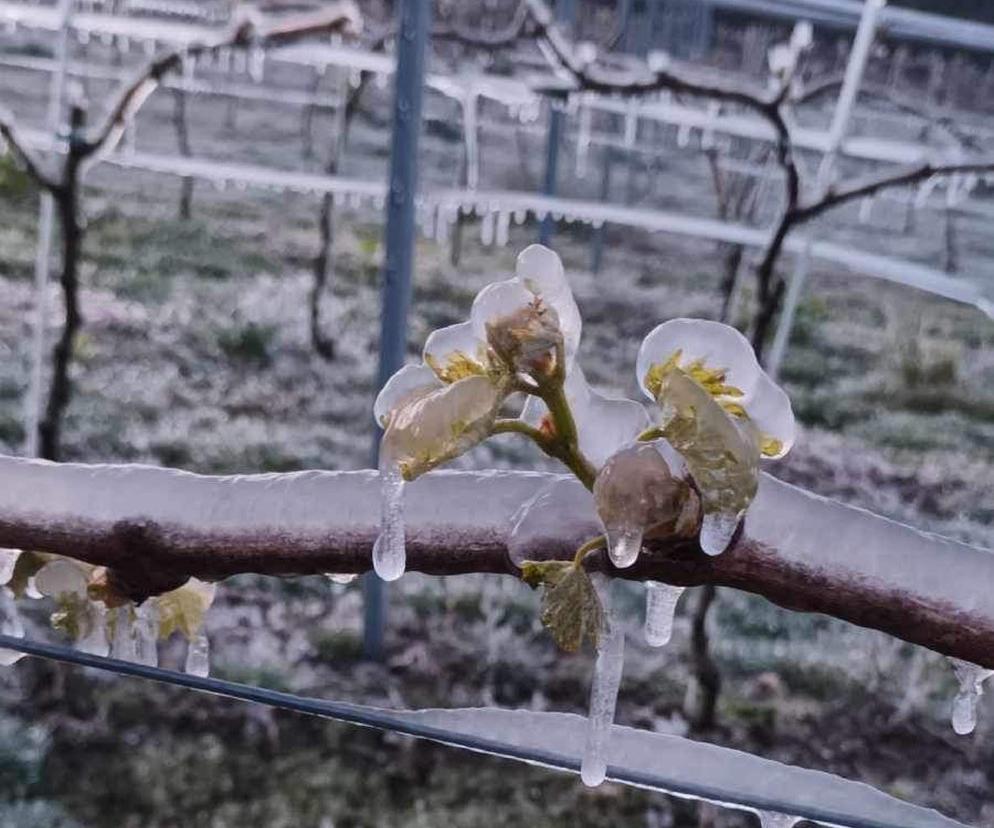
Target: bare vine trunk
183, 145
60, 387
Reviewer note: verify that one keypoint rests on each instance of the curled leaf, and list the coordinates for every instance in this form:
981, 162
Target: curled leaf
572, 611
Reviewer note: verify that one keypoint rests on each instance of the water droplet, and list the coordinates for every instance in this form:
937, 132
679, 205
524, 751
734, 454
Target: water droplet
717, 531
660, 607
198, 661
389, 554
971, 679
624, 545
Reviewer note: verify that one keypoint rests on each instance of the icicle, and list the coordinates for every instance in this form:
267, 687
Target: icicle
503, 229
631, 125
624, 544
865, 207
198, 661
10, 624
257, 65
683, 135
971, 679
341, 577
773, 819
146, 633
603, 693
389, 556
8, 560
122, 644
487, 229
660, 607
93, 633
717, 530
583, 142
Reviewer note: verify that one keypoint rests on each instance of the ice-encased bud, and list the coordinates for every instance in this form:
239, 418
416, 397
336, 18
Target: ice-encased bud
198, 656
540, 270
660, 609
439, 425
455, 352
389, 551
409, 382
603, 424
526, 340
635, 491
604, 688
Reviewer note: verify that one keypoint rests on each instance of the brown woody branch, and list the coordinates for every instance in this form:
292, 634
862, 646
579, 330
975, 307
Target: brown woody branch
156, 527
32, 165
339, 17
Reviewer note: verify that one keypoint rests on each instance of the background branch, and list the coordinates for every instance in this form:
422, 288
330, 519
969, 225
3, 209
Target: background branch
32, 165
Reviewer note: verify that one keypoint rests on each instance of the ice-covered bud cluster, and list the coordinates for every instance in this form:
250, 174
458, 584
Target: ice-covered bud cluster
720, 411
640, 487
525, 329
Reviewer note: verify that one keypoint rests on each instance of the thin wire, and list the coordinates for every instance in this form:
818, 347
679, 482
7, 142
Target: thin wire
398, 722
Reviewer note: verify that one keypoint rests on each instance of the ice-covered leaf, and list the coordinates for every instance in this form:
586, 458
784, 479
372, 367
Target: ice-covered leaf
722, 455
571, 610
440, 425
183, 609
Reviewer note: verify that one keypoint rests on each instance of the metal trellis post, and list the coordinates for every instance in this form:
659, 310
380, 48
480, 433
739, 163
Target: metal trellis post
46, 215
565, 14
836, 133
414, 21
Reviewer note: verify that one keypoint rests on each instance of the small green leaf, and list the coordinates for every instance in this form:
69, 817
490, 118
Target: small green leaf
549, 573
571, 609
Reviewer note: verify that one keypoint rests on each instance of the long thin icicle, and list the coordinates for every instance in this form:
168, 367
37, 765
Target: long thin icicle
603, 692
146, 633
660, 607
198, 660
122, 644
389, 554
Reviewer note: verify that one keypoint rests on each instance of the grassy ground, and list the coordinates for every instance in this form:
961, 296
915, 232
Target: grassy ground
196, 354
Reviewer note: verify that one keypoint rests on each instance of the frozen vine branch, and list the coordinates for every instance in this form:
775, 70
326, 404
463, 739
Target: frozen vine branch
161, 526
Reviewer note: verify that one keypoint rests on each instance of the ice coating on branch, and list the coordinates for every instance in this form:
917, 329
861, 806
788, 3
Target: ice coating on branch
10, 624
971, 678
557, 519
608, 667
603, 424
389, 553
123, 638
146, 633
774, 819
8, 560
660, 609
721, 361
198, 656
636, 490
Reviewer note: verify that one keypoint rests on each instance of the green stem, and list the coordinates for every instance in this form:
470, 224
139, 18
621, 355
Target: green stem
600, 542
651, 433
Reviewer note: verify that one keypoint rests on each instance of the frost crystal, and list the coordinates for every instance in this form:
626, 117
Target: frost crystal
971, 679
198, 656
660, 608
389, 553
10, 624
603, 695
